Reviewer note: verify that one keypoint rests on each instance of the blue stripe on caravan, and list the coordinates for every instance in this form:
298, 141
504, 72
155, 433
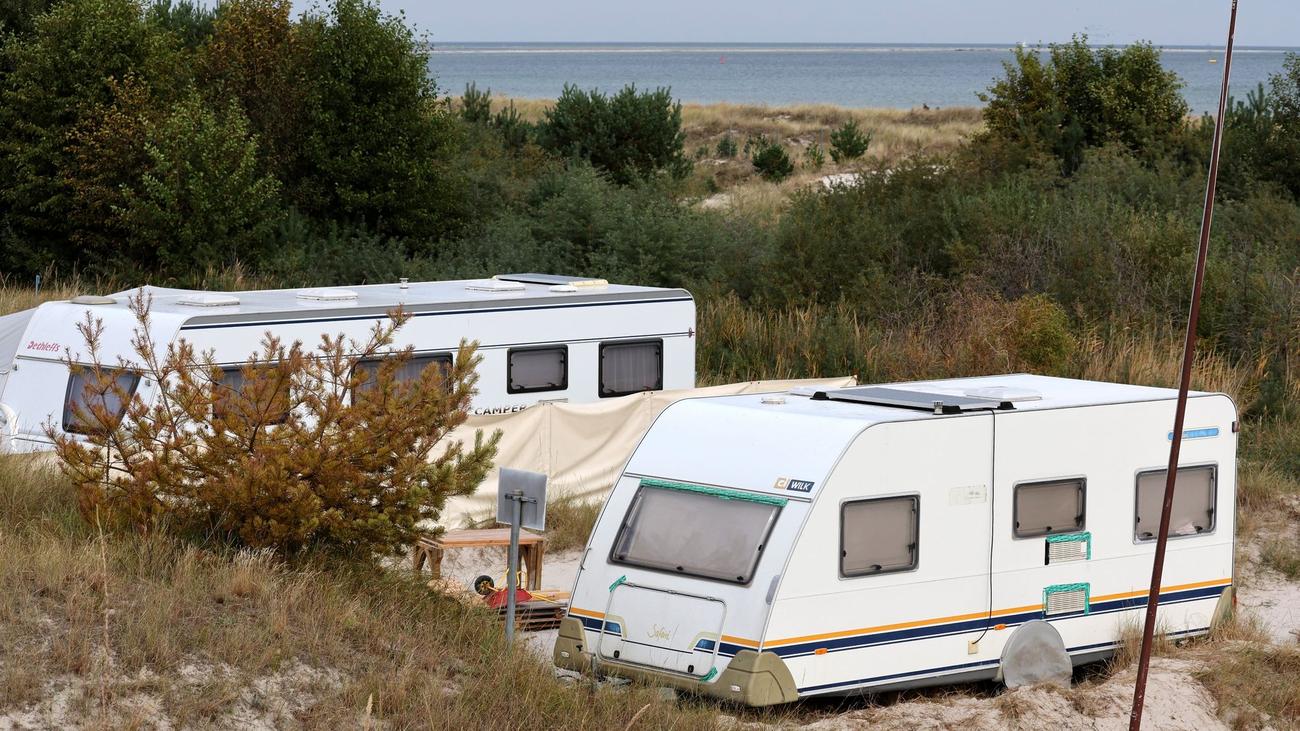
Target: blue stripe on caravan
595, 625
963, 666
952, 628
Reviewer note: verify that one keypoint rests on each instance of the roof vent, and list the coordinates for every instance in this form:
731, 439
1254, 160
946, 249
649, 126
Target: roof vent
92, 299
208, 299
938, 403
554, 279
494, 285
327, 294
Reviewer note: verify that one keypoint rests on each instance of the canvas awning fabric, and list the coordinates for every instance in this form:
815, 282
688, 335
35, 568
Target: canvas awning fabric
582, 447
12, 329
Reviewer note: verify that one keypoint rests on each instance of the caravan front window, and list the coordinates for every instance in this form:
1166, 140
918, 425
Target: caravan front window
85, 390
711, 533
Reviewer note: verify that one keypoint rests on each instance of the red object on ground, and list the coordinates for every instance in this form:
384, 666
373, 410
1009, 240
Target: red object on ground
497, 599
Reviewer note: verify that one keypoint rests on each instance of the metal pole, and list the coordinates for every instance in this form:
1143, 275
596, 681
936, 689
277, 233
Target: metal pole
513, 566
1184, 384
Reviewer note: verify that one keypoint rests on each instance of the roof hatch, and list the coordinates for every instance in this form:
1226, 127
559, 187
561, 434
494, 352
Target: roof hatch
494, 285
208, 299
327, 294
938, 403
554, 279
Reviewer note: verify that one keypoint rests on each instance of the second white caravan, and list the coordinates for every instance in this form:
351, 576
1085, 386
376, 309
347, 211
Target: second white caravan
764, 548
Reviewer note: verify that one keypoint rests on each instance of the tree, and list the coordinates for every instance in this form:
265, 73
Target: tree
202, 199
631, 135
62, 72
1284, 98
299, 449
1083, 97
375, 133
849, 142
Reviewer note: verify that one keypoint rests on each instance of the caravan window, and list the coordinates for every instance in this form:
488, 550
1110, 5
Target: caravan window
407, 372
712, 534
1045, 508
84, 389
631, 367
879, 535
1193, 509
231, 390
537, 369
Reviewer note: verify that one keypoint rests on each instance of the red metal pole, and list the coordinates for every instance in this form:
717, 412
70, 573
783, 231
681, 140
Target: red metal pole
1184, 384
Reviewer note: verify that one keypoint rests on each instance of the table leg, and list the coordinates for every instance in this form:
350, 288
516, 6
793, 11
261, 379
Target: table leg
417, 558
435, 562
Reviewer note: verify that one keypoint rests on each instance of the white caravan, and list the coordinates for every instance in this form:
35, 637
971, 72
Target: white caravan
763, 548
542, 338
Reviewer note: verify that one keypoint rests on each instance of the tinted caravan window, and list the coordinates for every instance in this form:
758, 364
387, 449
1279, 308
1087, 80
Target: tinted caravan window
233, 395
879, 535
84, 391
537, 369
1045, 508
407, 372
1193, 509
631, 367
701, 533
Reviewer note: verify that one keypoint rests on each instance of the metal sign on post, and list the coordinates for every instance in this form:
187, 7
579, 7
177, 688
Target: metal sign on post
521, 502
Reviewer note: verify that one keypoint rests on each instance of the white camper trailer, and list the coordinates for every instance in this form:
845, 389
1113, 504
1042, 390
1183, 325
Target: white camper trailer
763, 548
542, 338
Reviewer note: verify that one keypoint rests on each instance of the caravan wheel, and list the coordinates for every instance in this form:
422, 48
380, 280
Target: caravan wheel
1035, 654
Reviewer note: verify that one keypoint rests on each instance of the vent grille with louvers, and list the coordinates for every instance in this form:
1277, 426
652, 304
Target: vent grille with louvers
1065, 599
1068, 547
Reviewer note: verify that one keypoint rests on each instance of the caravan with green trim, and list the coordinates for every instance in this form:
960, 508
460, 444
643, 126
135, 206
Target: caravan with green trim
765, 548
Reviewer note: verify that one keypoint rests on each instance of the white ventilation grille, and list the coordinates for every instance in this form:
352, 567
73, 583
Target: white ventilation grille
327, 294
1065, 599
1066, 551
208, 299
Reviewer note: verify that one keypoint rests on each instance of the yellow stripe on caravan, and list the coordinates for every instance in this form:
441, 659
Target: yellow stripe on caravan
975, 615
725, 638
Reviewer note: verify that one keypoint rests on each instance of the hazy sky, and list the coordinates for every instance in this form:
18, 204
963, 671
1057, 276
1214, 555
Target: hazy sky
1168, 22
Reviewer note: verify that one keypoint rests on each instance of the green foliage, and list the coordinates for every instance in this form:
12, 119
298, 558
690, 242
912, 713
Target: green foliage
19, 16
770, 159
475, 105
1040, 334
814, 157
374, 132
1082, 97
727, 148
61, 74
631, 135
201, 200
189, 21
849, 142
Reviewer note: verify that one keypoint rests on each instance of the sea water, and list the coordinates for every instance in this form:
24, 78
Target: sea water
866, 75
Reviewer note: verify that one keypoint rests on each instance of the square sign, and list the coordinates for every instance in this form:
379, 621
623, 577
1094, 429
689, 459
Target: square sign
529, 485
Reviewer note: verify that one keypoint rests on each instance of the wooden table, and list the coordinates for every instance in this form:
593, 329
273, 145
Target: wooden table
531, 548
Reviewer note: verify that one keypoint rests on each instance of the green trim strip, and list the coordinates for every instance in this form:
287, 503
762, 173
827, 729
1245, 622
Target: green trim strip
712, 672
617, 581
718, 492
1073, 538
1061, 588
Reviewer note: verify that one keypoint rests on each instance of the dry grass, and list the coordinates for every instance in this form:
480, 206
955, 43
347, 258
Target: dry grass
569, 521
196, 635
1256, 685
896, 134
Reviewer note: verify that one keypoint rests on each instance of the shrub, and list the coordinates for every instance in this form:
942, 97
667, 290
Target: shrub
814, 157
771, 160
475, 105
298, 455
631, 135
849, 142
727, 146
1083, 97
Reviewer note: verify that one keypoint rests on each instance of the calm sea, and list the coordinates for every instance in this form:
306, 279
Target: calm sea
850, 75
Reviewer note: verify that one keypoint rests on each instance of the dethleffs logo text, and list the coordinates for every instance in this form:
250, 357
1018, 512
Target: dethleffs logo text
44, 346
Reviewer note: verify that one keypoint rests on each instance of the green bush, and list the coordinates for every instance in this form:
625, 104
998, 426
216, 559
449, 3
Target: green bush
848, 142
814, 157
727, 147
475, 105
631, 135
1083, 97
771, 160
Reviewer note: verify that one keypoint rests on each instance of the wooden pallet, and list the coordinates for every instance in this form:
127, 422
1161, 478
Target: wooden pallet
540, 614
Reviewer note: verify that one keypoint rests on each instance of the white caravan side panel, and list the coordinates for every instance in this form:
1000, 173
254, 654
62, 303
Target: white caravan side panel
840, 633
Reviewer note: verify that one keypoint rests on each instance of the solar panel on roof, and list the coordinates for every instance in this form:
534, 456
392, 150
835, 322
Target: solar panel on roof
939, 403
